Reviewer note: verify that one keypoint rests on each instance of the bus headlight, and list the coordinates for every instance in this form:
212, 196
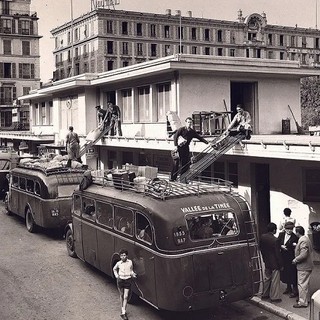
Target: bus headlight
54, 212
222, 295
187, 292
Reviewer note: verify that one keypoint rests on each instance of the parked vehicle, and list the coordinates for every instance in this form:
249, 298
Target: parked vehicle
193, 246
8, 160
42, 193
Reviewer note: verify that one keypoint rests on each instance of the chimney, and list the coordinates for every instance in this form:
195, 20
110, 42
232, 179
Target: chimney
189, 13
168, 12
178, 12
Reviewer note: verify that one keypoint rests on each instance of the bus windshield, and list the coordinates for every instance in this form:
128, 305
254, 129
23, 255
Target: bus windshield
211, 225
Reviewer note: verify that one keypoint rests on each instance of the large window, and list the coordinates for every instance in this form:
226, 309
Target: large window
26, 70
143, 228
126, 105
123, 220
25, 27
144, 113
104, 214
8, 94
7, 47
109, 26
139, 49
212, 224
26, 48
125, 47
164, 100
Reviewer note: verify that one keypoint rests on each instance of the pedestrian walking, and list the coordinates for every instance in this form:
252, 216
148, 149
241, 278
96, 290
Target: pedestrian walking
304, 264
286, 218
288, 275
73, 146
123, 271
182, 139
270, 250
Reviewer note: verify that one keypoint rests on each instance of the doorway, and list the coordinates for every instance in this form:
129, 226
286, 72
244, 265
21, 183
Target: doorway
260, 195
245, 93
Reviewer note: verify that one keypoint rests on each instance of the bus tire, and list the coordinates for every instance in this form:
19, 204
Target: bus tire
30, 224
70, 244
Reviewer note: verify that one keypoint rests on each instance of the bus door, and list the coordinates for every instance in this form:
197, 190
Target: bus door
76, 223
144, 259
22, 199
89, 231
105, 237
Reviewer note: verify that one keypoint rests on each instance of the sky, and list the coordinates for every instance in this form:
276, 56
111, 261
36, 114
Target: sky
52, 13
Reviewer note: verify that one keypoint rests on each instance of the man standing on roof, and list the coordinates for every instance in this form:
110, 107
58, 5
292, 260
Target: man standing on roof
104, 117
73, 147
182, 139
115, 119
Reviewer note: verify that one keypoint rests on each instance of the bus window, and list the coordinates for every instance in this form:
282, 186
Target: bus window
37, 189
123, 220
89, 209
30, 185
212, 225
15, 181
143, 228
77, 205
22, 183
105, 214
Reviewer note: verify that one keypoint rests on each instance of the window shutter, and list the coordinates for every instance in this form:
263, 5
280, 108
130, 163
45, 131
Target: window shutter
13, 66
31, 28
14, 93
20, 70
32, 71
1, 70
19, 27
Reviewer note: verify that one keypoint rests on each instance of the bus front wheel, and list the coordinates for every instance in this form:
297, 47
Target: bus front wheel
70, 244
30, 224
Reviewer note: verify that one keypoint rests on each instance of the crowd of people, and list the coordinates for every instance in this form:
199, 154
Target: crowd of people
287, 259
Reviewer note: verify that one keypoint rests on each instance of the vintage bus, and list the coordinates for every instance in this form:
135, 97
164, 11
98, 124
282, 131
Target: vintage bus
193, 246
42, 194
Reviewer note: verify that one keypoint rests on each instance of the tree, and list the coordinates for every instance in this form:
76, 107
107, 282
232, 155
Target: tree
310, 101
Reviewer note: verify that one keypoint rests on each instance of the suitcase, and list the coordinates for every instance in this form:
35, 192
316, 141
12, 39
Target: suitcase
120, 179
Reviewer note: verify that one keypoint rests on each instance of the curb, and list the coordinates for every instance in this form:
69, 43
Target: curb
280, 312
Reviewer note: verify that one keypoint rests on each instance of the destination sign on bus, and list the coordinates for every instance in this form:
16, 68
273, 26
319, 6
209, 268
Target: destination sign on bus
215, 206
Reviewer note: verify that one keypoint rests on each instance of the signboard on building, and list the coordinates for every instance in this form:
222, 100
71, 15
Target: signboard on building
91, 153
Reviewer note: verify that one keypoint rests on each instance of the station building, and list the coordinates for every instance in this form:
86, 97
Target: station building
273, 170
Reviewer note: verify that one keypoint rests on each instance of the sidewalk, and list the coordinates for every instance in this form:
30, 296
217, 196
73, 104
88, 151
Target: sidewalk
285, 308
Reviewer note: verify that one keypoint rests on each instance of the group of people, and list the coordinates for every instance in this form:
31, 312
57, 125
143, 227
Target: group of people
184, 135
109, 118
287, 258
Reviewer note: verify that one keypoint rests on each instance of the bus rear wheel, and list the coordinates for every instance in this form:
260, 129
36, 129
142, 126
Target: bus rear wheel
70, 244
30, 224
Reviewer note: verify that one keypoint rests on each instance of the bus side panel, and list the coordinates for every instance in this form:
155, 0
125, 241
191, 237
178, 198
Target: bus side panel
105, 250
144, 266
13, 204
89, 243
77, 236
174, 293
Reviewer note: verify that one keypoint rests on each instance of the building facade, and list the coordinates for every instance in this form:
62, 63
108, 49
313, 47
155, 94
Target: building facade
19, 62
106, 39
272, 170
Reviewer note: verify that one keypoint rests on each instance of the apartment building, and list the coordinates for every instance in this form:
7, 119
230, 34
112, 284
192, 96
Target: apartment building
106, 39
19, 62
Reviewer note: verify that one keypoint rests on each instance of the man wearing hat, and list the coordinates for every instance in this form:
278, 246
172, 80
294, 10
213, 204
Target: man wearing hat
288, 275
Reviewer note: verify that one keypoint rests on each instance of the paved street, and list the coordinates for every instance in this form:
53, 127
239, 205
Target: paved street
40, 281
